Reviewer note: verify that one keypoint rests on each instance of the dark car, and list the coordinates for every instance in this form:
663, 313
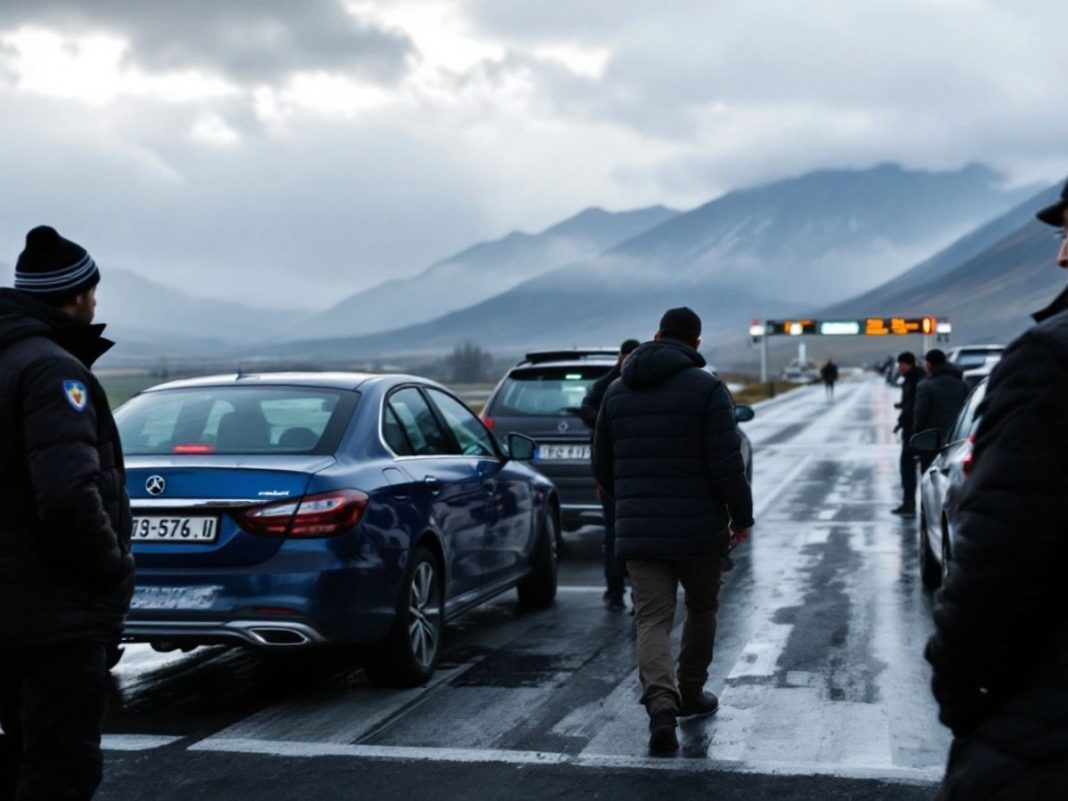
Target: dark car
540, 397
941, 488
287, 510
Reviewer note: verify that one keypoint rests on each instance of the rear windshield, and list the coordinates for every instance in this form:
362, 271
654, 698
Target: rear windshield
545, 391
974, 359
235, 420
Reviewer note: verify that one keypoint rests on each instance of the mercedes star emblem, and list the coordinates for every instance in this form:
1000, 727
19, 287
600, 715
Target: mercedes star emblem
155, 485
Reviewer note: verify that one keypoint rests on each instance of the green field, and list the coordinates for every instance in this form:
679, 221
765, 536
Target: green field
120, 388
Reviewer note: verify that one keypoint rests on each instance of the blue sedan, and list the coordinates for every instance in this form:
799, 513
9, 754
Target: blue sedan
285, 510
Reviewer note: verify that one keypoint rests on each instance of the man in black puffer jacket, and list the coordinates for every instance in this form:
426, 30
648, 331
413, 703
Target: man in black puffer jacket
667, 448
939, 399
65, 569
1000, 651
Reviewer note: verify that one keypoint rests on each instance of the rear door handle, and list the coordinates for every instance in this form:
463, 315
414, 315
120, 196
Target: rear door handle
433, 485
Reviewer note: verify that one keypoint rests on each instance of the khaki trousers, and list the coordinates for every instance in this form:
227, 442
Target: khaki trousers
655, 585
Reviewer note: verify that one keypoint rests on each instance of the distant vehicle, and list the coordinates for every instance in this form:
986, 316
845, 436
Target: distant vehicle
941, 487
285, 510
540, 397
807, 373
976, 357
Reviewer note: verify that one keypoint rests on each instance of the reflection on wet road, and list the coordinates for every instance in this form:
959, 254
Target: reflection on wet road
819, 661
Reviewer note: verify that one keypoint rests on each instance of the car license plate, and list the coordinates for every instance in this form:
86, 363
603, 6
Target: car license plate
174, 597
563, 453
175, 529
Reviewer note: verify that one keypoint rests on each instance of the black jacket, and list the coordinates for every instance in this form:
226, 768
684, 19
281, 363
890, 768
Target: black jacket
908, 401
65, 572
667, 448
591, 404
1000, 649
829, 372
939, 399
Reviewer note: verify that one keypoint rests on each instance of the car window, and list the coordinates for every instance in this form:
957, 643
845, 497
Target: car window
968, 419
393, 432
545, 391
235, 420
424, 434
473, 437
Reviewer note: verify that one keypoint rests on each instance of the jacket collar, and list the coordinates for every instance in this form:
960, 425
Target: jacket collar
1059, 304
31, 318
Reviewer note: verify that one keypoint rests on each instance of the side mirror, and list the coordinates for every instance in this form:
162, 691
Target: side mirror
928, 441
743, 413
521, 447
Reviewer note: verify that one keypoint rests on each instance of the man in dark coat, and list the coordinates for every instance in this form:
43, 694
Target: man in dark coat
939, 399
614, 571
1000, 649
906, 363
65, 569
829, 374
667, 448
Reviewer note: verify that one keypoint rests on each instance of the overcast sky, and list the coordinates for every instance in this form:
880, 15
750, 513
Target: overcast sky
288, 153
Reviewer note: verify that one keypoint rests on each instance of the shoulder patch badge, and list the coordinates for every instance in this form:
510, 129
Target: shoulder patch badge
77, 395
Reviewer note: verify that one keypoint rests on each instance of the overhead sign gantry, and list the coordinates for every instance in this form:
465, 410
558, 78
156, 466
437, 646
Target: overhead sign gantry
926, 327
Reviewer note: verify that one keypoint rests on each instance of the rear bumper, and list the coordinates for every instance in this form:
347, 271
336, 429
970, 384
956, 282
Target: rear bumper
294, 599
262, 633
577, 490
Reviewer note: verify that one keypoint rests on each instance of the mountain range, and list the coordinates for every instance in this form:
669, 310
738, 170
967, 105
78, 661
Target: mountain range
752, 253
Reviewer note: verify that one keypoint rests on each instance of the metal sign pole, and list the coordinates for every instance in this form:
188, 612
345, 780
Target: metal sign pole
764, 358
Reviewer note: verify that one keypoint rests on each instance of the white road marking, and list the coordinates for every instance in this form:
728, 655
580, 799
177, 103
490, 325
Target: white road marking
535, 758
136, 742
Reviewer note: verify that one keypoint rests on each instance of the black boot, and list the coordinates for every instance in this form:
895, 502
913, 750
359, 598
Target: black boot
662, 738
701, 705
905, 509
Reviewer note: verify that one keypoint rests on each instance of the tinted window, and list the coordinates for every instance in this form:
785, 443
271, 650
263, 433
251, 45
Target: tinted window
424, 436
969, 418
235, 420
545, 391
473, 437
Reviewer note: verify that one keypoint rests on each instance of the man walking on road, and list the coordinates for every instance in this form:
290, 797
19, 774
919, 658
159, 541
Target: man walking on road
1000, 649
906, 363
667, 449
939, 399
829, 374
65, 569
614, 571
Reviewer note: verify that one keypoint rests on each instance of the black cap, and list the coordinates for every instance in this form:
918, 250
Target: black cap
1054, 215
629, 346
682, 323
54, 269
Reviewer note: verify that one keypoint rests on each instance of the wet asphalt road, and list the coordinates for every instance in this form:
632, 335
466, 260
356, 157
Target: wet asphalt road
824, 691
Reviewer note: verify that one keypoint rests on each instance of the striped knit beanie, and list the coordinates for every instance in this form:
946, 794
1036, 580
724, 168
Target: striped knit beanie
53, 269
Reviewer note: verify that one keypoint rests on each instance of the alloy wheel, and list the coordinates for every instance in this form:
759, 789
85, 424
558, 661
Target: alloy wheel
424, 615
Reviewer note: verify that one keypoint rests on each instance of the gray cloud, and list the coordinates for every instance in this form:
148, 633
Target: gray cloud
248, 40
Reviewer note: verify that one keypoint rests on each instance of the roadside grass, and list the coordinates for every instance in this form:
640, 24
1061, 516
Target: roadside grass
121, 387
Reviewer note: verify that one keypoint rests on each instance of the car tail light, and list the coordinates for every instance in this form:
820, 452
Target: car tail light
193, 448
967, 461
323, 515
489, 422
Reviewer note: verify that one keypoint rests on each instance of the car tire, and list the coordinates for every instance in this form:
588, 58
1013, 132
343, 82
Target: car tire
538, 590
930, 570
409, 654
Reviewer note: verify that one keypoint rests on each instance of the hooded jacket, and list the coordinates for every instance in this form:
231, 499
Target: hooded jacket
65, 569
667, 449
1000, 648
939, 399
